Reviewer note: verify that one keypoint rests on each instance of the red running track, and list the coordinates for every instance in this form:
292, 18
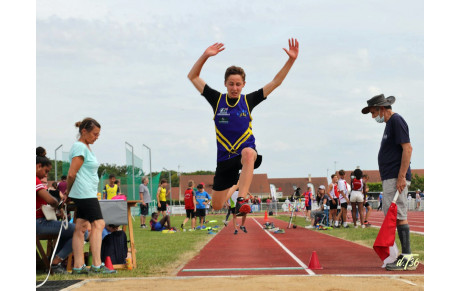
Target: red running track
257, 253
415, 218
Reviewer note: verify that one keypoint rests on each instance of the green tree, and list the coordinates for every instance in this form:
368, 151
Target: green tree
375, 187
417, 182
119, 171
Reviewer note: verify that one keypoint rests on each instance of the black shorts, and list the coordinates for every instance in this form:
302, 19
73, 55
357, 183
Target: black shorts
201, 212
308, 207
232, 210
163, 206
144, 209
344, 205
366, 204
190, 213
228, 172
88, 209
334, 206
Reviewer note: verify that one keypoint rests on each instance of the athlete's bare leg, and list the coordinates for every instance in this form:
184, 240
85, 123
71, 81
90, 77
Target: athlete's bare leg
248, 157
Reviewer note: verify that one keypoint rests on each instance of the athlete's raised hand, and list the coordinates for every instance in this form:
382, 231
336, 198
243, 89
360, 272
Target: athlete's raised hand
214, 49
293, 51
194, 75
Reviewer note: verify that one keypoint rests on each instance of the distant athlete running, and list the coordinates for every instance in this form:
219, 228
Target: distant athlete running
236, 149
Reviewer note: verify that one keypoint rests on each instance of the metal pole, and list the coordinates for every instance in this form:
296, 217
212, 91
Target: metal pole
150, 174
132, 157
150, 160
55, 163
178, 175
170, 194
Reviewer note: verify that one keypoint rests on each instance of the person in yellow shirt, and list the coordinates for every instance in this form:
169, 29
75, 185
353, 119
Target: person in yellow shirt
162, 193
111, 190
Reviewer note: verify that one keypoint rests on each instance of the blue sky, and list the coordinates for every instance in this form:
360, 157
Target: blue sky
125, 64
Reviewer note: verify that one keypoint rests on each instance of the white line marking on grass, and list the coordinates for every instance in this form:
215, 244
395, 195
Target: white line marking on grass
305, 267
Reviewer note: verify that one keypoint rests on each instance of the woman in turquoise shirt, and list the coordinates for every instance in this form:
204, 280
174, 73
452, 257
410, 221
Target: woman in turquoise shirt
82, 182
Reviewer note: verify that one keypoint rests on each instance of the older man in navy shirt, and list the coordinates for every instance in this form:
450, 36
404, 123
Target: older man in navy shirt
394, 167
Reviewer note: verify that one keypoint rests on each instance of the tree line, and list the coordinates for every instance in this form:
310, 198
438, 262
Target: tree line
122, 171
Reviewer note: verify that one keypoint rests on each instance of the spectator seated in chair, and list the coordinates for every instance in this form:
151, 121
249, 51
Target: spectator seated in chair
51, 227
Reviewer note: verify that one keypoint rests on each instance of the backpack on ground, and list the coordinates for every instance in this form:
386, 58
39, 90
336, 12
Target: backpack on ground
114, 245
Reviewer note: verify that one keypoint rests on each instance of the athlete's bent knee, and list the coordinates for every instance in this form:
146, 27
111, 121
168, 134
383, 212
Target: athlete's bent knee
248, 155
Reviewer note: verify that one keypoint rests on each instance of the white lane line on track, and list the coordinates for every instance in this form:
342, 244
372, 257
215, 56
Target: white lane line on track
305, 267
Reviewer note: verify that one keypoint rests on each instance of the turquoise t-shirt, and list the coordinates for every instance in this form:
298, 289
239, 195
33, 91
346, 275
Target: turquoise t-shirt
87, 180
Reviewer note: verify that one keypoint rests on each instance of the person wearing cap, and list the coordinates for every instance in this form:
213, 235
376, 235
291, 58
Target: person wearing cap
418, 199
202, 199
319, 213
394, 167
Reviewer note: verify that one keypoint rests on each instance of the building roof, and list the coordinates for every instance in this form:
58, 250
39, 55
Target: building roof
259, 183
286, 185
374, 175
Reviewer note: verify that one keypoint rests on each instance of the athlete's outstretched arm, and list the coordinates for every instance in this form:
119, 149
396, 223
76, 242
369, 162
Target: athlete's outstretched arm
194, 74
293, 52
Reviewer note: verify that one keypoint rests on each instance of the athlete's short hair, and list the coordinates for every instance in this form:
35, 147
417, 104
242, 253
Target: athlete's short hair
234, 70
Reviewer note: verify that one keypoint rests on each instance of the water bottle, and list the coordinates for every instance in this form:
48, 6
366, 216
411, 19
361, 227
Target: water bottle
129, 265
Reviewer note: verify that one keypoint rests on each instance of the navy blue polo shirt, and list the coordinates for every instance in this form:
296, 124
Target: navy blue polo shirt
390, 154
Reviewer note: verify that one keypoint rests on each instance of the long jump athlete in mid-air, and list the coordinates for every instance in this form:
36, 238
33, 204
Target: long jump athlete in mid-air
236, 149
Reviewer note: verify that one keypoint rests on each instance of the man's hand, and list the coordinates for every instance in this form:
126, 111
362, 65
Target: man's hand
214, 49
293, 49
333, 201
401, 184
159, 204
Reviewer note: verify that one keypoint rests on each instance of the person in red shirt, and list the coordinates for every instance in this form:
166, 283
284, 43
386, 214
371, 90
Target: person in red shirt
308, 196
357, 197
51, 227
190, 206
333, 193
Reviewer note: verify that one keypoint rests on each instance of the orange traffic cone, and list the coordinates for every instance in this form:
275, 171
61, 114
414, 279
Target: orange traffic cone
314, 262
108, 263
266, 216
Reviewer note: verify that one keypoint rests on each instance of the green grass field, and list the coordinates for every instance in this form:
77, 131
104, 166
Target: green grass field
158, 254
163, 254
